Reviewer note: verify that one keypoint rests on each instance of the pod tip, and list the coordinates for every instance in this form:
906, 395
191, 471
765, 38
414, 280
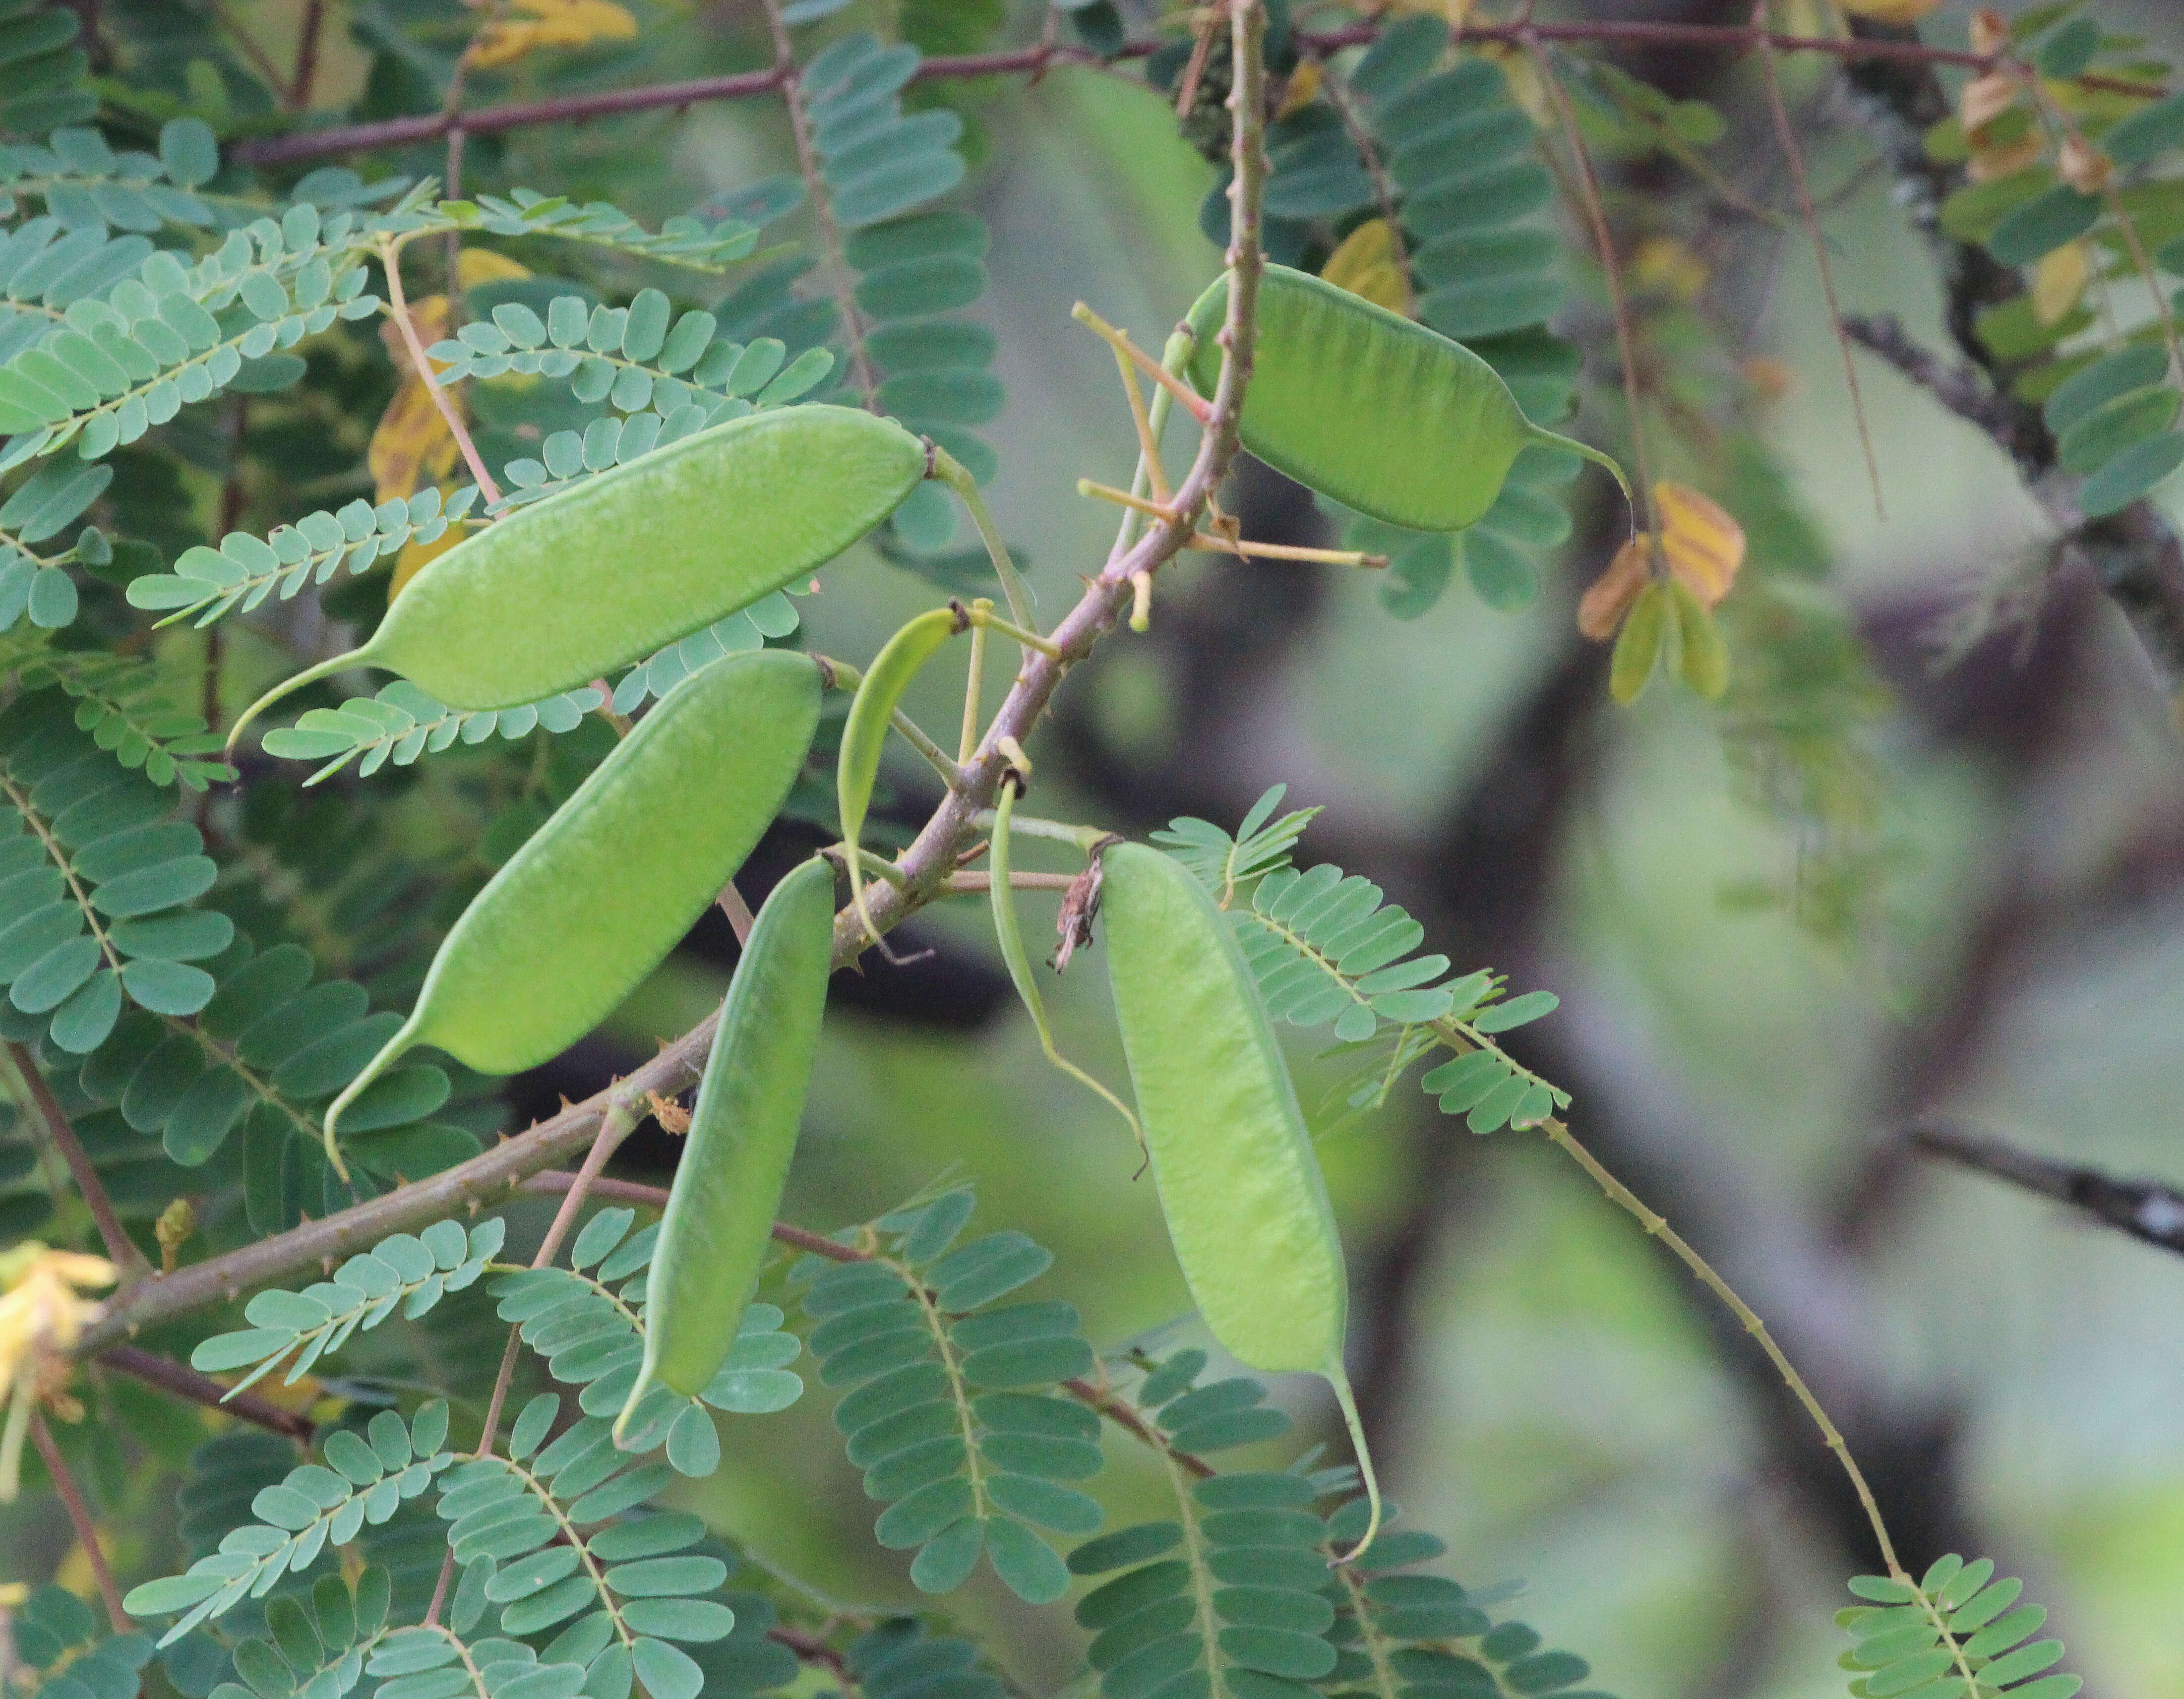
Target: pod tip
404, 1036
1339, 1379
310, 675
629, 1405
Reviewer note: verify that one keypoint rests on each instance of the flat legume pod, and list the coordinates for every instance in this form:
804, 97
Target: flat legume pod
1371, 408
714, 1237
555, 595
601, 894
1245, 1205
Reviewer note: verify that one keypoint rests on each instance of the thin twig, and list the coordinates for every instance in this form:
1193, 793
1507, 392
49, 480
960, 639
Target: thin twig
2013, 426
1596, 213
261, 61
1384, 189
184, 1382
79, 1515
390, 255
841, 281
307, 55
963, 884
1658, 1226
740, 919
1795, 158
120, 1249
614, 1127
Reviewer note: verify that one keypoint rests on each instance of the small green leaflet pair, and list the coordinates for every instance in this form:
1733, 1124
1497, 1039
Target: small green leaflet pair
1324, 948
1955, 1634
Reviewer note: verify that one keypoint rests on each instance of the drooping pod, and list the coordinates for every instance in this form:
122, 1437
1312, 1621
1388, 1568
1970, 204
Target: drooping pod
1371, 408
727, 1188
594, 902
1239, 1185
557, 594
864, 733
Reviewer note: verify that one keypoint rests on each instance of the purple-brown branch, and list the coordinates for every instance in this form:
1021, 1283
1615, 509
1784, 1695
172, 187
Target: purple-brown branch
184, 1382
1038, 60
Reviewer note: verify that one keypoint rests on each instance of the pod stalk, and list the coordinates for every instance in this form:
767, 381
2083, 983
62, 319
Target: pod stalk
952, 472
1585, 451
295, 681
404, 1036
1338, 1378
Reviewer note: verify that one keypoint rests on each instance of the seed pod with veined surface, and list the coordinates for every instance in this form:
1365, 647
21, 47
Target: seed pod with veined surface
594, 900
1247, 1208
728, 1181
1371, 408
557, 594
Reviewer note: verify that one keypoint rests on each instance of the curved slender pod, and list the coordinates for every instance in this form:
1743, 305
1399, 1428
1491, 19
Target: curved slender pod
1375, 410
1245, 1205
1010, 938
554, 595
864, 733
719, 1223
601, 894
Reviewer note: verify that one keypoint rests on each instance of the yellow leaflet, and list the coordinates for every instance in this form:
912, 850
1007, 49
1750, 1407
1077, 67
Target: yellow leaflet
1366, 266
1300, 90
551, 24
477, 266
2058, 281
1663, 263
1523, 77
412, 445
415, 557
1703, 543
1601, 609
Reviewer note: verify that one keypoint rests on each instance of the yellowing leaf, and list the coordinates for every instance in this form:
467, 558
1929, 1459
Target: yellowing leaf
1986, 98
1897, 12
477, 266
551, 24
411, 445
1703, 544
1989, 31
416, 556
1668, 267
1300, 90
2058, 281
2083, 166
1522, 77
1638, 649
1367, 266
1601, 609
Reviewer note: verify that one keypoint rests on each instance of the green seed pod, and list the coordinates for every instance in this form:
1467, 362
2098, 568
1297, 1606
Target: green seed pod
864, 733
1371, 408
714, 1237
594, 902
1239, 1183
554, 595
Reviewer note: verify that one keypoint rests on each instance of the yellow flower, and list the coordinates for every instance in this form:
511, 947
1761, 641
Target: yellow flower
43, 1313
